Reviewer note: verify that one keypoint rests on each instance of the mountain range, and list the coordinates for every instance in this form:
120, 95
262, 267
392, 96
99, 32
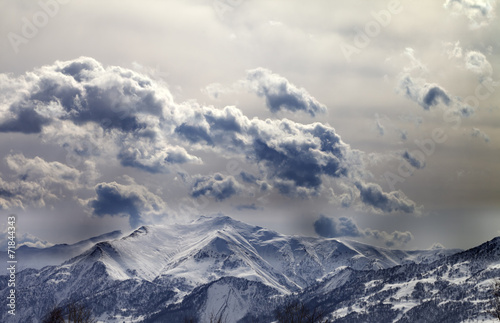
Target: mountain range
223, 267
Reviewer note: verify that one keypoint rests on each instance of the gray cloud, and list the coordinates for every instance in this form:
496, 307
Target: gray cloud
152, 157
218, 186
132, 200
373, 195
403, 134
413, 160
393, 239
425, 94
346, 227
280, 94
429, 95
39, 182
25, 119
248, 178
123, 114
331, 228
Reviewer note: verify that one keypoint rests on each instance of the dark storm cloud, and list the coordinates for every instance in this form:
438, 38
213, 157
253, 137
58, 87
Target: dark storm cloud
134, 201
218, 186
331, 228
373, 195
281, 94
413, 160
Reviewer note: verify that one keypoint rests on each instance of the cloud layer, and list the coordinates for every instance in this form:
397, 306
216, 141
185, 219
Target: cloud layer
346, 227
115, 117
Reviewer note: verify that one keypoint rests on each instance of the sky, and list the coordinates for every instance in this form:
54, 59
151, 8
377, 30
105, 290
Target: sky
376, 121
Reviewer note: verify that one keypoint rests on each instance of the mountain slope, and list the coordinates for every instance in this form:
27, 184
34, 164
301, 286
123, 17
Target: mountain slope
189, 269
453, 289
31, 257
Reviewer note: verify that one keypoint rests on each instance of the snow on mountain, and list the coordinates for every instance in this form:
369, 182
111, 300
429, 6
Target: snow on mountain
33, 257
210, 248
217, 265
452, 289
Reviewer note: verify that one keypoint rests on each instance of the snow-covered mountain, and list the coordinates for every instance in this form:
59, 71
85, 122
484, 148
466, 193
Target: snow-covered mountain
217, 265
32, 257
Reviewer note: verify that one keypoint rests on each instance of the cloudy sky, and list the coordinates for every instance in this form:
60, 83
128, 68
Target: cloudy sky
369, 120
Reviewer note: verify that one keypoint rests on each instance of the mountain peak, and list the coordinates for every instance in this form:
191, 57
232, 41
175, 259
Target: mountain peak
143, 230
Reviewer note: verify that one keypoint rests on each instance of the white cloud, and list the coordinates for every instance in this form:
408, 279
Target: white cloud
479, 12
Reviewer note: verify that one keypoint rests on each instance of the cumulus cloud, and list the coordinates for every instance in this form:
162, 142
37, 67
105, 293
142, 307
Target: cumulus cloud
480, 134
43, 172
153, 158
478, 63
373, 195
106, 104
134, 201
38, 181
429, 95
346, 227
86, 92
280, 94
102, 112
218, 186
18, 194
479, 12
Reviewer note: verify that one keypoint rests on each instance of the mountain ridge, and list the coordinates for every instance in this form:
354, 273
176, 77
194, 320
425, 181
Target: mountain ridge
157, 271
